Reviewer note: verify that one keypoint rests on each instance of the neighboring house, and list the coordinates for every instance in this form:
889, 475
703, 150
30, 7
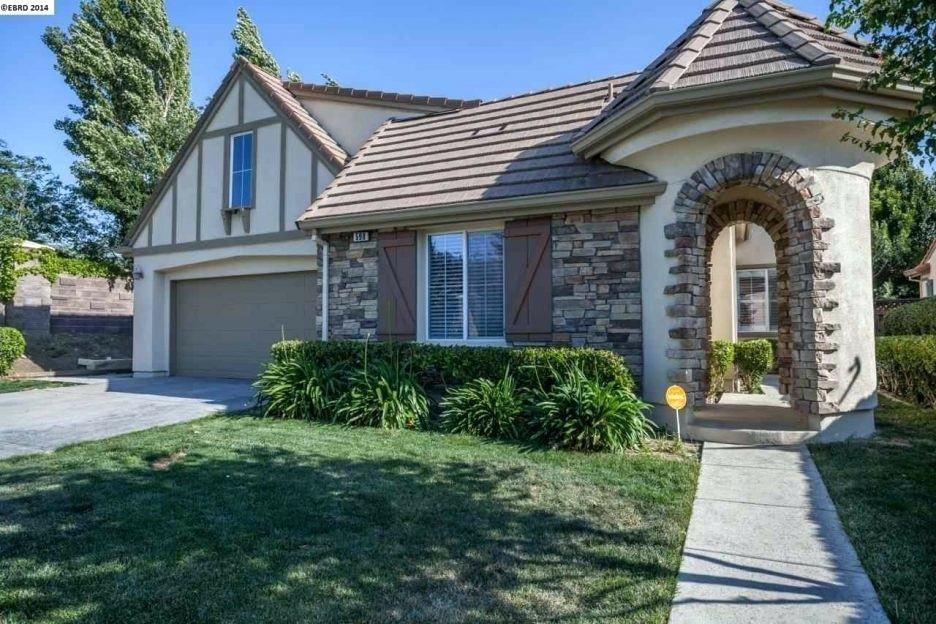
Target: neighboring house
925, 273
579, 215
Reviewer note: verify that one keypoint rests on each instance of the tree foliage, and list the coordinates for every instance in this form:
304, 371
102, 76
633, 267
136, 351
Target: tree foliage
904, 32
903, 222
36, 205
129, 68
249, 46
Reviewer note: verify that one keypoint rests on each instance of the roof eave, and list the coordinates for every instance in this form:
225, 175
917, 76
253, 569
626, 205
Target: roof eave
526, 205
844, 77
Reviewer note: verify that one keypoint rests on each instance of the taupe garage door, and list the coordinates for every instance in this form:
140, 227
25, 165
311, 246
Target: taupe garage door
223, 327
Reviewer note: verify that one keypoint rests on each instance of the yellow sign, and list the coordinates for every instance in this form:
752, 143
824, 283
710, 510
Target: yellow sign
676, 397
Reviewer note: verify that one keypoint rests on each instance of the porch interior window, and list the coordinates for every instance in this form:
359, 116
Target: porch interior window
466, 285
757, 300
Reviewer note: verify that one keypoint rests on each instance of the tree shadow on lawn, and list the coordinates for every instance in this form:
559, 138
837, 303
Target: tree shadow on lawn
272, 535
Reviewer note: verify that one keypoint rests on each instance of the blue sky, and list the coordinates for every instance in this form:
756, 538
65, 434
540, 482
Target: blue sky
484, 49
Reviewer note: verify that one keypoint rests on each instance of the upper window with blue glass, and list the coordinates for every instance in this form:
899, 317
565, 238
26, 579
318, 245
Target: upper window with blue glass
241, 170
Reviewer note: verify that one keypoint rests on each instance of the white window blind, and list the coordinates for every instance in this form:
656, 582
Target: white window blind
757, 300
466, 285
241, 170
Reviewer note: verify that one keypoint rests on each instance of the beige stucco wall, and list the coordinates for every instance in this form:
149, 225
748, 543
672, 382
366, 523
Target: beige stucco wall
352, 123
842, 171
724, 289
756, 250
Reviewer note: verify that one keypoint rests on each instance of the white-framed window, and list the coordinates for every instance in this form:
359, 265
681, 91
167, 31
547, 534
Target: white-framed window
241, 171
930, 287
757, 300
465, 285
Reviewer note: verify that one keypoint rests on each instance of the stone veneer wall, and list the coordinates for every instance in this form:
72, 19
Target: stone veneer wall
596, 282
71, 304
352, 288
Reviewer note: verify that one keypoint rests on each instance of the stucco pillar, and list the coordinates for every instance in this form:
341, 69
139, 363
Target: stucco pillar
846, 200
148, 311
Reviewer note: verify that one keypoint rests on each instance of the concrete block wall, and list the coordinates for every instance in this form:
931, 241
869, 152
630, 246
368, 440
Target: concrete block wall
71, 304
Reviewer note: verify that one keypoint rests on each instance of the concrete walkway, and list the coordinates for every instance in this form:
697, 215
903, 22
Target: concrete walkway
35, 421
765, 545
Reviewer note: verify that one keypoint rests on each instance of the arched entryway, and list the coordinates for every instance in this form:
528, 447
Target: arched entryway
780, 199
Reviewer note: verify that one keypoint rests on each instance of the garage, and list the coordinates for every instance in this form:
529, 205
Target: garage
224, 327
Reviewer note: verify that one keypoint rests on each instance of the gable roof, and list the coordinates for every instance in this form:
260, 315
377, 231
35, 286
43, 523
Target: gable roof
923, 268
736, 39
384, 97
282, 101
514, 147
289, 106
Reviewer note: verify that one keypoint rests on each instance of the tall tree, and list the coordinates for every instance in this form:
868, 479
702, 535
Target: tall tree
36, 205
904, 32
129, 68
249, 46
903, 222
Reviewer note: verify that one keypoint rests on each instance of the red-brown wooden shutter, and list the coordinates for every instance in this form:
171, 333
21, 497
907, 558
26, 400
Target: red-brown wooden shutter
396, 285
528, 279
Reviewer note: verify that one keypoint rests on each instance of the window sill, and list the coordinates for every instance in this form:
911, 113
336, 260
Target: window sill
480, 342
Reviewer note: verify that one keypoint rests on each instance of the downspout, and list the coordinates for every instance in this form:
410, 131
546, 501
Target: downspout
324, 269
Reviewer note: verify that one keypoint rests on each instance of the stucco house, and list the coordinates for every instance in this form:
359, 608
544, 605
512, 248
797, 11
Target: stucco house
588, 214
924, 273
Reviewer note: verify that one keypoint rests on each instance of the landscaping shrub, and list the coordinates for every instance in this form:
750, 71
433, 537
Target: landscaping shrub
906, 367
494, 409
581, 413
384, 394
299, 388
12, 347
721, 359
911, 319
753, 359
444, 366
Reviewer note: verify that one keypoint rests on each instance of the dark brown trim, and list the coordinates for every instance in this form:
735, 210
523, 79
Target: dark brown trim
198, 194
243, 127
227, 241
282, 178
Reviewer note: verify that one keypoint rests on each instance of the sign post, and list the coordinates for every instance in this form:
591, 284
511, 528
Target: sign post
676, 399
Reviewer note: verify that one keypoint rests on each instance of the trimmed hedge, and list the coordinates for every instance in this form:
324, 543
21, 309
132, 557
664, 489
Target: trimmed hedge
906, 367
912, 319
12, 346
444, 366
721, 359
753, 359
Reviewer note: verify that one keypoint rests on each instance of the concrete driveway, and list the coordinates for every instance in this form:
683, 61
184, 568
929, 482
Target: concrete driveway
37, 421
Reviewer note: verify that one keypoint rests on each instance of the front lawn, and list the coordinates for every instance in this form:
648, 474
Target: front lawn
885, 492
18, 385
240, 519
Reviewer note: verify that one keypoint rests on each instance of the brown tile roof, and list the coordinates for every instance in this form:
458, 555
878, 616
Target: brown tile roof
301, 88
290, 106
735, 39
924, 267
517, 146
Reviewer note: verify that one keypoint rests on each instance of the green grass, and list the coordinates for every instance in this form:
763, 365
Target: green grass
18, 385
885, 492
261, 520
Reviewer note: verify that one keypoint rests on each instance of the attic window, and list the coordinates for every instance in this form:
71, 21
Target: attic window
241, 171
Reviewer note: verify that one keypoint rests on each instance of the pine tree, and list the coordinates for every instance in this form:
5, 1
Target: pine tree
129, 69
249, 46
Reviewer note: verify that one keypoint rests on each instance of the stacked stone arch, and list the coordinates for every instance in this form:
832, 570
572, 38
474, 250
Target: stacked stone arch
791, 214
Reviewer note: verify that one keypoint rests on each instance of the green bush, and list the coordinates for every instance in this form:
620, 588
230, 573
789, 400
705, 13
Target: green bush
912, 319
581, 413
299, 388
483, 407
12, 347
444, 366
721, 359
753, 359
384, 394
906, 367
